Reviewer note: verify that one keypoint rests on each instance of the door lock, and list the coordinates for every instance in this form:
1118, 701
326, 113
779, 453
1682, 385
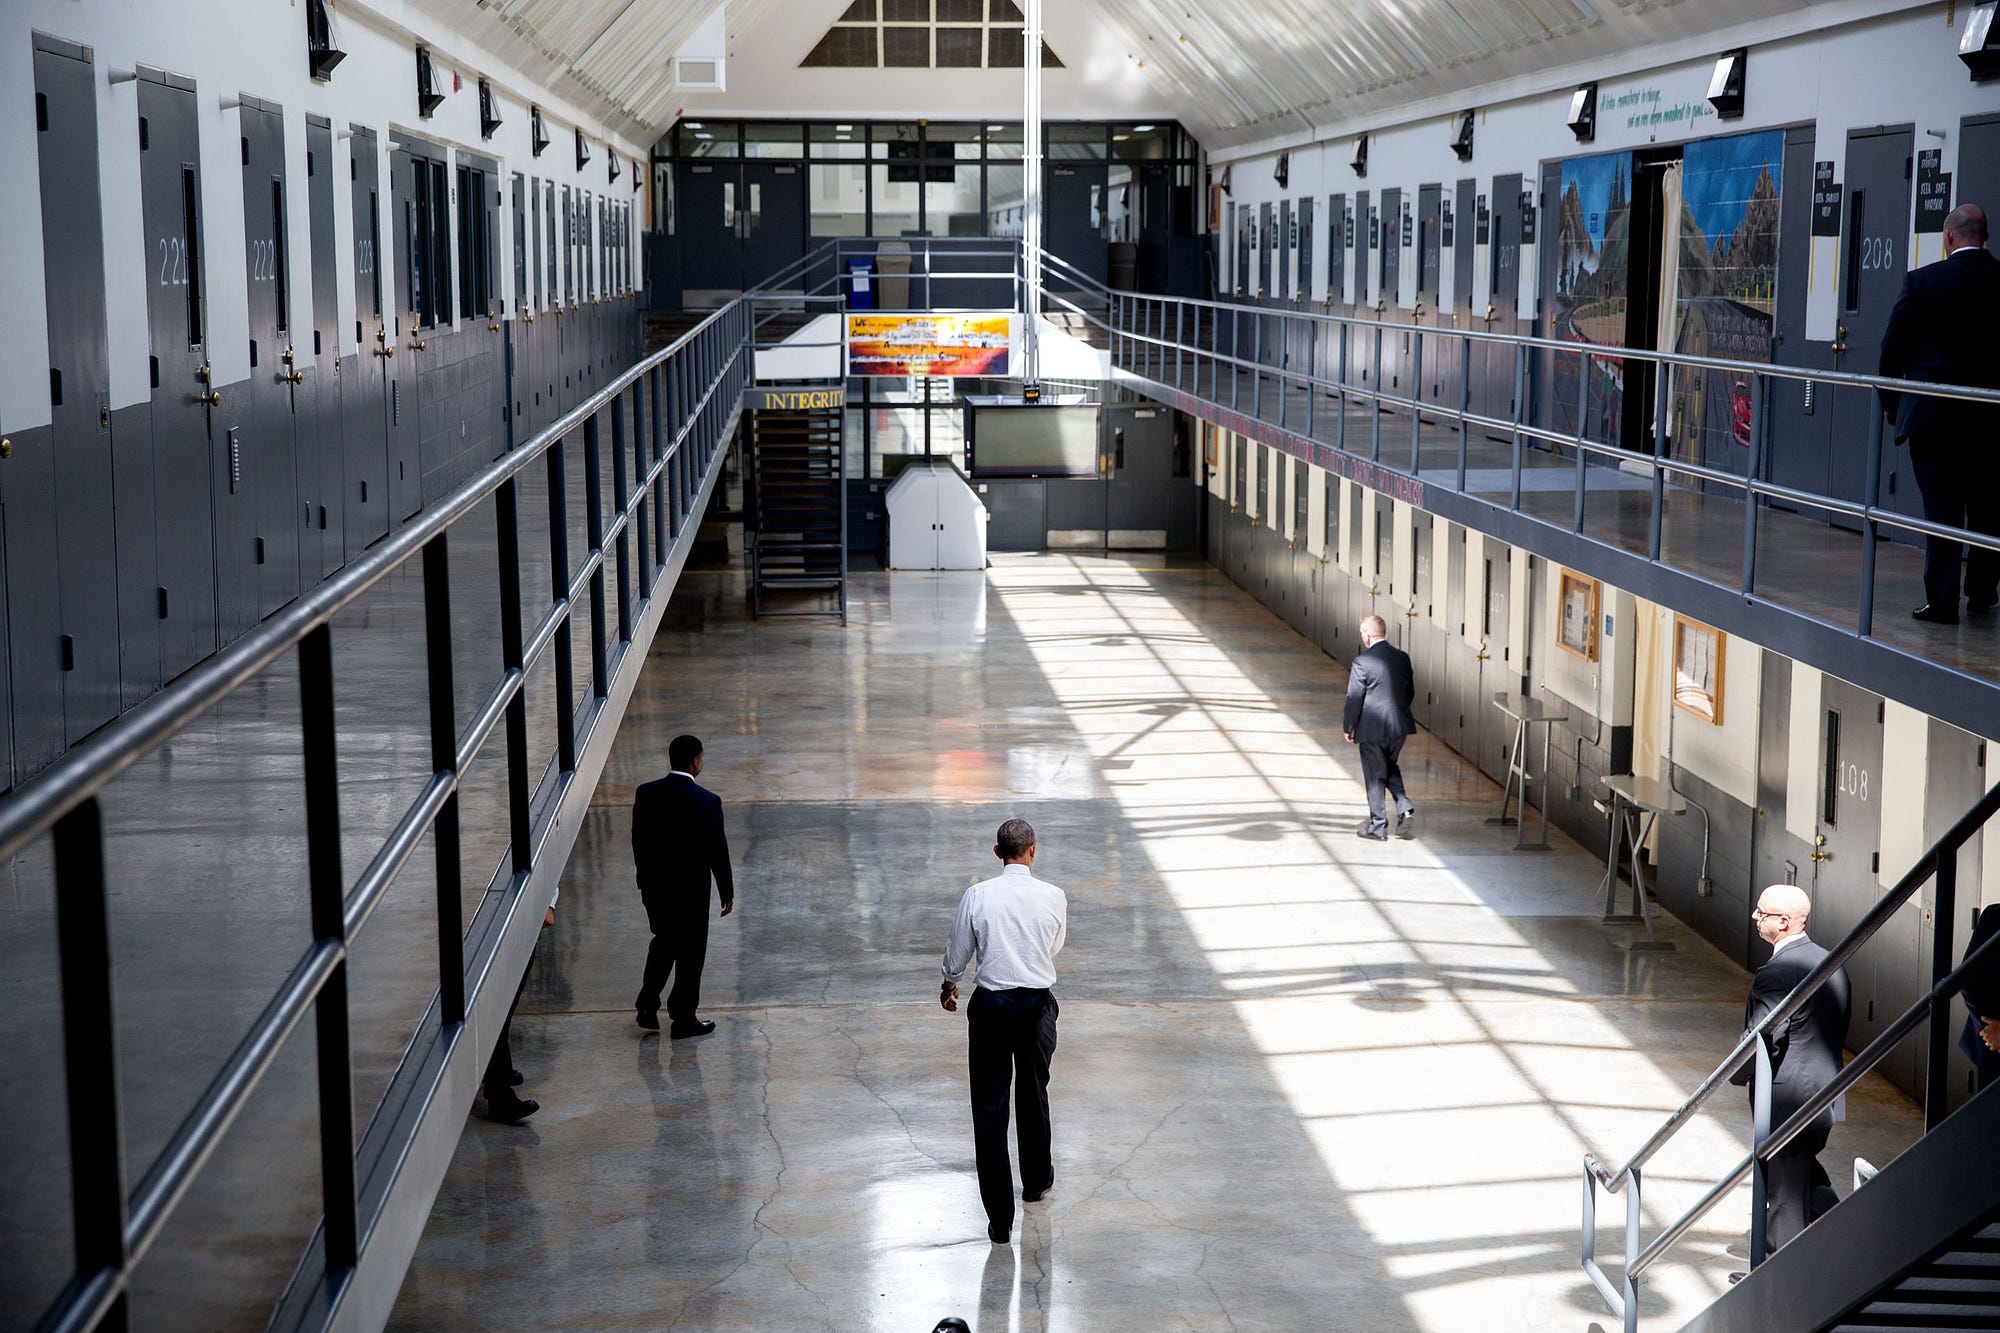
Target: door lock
1819, 842
292, 377
1492, 312
6, 447
418, 345
1839, 339
290, 353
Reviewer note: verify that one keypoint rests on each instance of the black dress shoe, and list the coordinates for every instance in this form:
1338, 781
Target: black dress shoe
1935, 615
1979, 606
516, 1079
1036, 1196
649, 1019
1406, 823
510, 1110
1365, 832
996, 1233
698, 1028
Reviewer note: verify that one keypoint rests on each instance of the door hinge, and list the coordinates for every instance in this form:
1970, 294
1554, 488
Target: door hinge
1875, 864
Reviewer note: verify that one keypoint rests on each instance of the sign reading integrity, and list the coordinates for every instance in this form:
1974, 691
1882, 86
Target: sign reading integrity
793, 398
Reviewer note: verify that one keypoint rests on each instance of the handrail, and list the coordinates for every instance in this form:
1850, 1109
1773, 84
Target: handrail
116, 1226
1939, 862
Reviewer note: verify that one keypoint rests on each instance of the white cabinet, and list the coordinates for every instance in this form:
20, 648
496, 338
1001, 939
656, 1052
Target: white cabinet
935, 520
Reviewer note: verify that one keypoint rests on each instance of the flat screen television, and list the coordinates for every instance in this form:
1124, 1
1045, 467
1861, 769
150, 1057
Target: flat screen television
1039, 440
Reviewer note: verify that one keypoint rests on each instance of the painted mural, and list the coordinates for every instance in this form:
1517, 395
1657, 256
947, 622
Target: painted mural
1593, 264
1725, 287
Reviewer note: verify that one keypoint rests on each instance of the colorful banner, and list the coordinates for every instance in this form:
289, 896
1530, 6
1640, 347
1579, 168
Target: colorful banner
904, 345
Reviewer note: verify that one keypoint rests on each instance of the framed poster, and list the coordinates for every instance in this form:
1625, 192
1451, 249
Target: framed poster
1215, 208
1577, 631
1698, 669
1208, 445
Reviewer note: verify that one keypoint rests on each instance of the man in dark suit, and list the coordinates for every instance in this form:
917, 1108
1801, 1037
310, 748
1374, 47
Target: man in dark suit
678, 844
1943, 331
1380, 686
1805, 1057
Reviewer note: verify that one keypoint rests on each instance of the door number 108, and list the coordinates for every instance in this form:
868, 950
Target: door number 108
1854, 781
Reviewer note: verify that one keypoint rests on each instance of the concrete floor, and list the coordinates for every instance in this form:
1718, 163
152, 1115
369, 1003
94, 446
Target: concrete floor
1304, 1080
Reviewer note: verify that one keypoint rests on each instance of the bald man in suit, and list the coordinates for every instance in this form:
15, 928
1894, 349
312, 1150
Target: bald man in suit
1805, 1057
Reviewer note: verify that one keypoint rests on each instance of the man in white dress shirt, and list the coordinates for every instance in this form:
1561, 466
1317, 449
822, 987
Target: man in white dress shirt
1015, 923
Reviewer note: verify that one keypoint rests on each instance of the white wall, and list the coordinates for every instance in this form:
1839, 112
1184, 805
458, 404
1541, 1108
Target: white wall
262, 53
1881, 70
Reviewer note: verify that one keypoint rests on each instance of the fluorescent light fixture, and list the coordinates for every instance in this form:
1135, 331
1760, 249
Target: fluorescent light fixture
845, 129
692, 124
1120, 138
1142, 129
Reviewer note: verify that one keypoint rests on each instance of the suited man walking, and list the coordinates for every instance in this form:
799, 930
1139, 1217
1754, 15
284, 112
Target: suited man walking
1943, 331
677, 846
1380, 687
1805, 1057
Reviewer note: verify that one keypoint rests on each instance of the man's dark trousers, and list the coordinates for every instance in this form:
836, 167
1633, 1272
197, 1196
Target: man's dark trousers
1960, 497
1384, 777
1012, 1036
1797, 1189
680, 946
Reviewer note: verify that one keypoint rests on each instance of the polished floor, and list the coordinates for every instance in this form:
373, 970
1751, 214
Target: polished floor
1304, 1081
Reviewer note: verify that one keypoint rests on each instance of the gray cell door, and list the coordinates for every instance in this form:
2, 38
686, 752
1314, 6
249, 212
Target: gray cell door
774, 222
1391, 258
705, 211
1800, 415
1138, 444
520, 374
1245, 234
1305, 248
1495, 672
1494, 369
271, 462
1874, 258
1463, 236
1336, 249
1074, 208
1979, 162
1848, 839
1418, 633
1267, 241
364, 381
183, 420
79, 446
423, 300
316, 402
1440, 368
1287, 244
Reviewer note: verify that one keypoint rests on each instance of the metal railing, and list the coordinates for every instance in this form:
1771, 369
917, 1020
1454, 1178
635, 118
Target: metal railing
663, 425
1938, 866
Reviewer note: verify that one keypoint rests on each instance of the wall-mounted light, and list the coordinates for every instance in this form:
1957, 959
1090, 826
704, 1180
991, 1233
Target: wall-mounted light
1360, 159
322, 52
637, 179
538, 136
1225, 181
611, 161
1979, 48
489, 111
1283, 171
1461, 139
429, 97
1725, 86
1583, 112
582, 150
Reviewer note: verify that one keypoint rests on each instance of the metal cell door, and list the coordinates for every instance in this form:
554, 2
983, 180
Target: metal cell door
364, 388
1075, 213
1138, 444
271, 462
184, 402
1418, 635
1494, 364
1493, 670
1799, 412
1267, 241
1874, 258
774, 222
317, 400
1440, 368
520, 374
1305, 244
1464, 230
78, 443
1391, 259
1336, 249
1287, 243
1847, 839
1245, 237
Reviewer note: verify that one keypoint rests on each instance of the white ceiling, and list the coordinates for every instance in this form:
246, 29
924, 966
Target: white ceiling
1233, 71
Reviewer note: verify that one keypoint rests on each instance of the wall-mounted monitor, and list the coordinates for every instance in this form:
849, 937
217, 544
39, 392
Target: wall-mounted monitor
1013, 439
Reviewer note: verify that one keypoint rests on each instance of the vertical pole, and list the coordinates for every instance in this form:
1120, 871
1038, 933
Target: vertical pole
1375, 403
1031, 181
1658, 517
520, 820
90, 1049
595, 529
1257, 366
559, 572
1340, 427
661, 519
1464, 402
1750, 482
1938, 1056
444, 747
1416, 401
1631, 1278
1312, 373
1871, 493
327, 892
621, 496
1235, 354
1520, 373
1760, 1131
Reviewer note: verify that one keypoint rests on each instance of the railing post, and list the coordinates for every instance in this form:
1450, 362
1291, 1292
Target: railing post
97, 1190
1871, 493
1464, 402
559, 572
1629, 1279
1416, 403
1284, 367
621, 493
444, 736
1180, 339
1760, 1133
1235, 354
1375, 403
1520, 373
327, 892
1944, 907
1657, 519
1340, 427
1312, 374
1257, 367
1750, 482
1585, 360
595, 527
